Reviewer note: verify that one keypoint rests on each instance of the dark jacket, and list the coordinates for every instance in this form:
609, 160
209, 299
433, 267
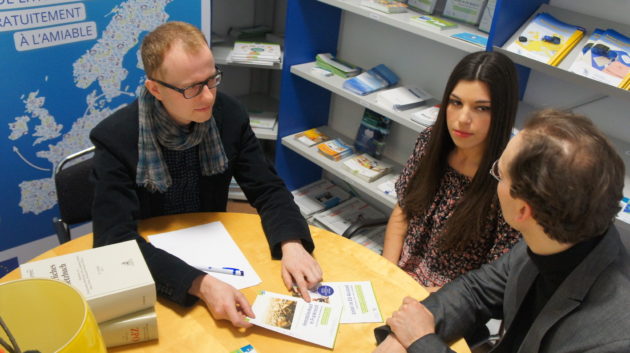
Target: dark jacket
119, 202
587, 313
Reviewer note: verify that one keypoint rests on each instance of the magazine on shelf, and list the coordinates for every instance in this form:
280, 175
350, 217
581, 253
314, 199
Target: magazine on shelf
254, 52
432, 22
338, 67
132, 328
387, 6
371, 134
476, 39
605, 58
318, 196
427, 6
311, 137
376, 78
114, 279
402, 98
366, 167
335, 149
487, 15
426, 116
314, 322
468, 11
357, 299
546, 39
340, 217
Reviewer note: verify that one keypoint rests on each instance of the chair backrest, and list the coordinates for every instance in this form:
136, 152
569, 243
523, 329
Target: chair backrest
75, 192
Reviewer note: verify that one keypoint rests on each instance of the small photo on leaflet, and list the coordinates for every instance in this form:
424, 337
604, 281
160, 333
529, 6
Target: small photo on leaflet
280, 313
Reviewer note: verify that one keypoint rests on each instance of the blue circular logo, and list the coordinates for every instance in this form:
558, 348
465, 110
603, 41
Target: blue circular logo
325, 290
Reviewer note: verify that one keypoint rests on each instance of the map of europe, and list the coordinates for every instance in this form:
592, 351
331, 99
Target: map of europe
80, 83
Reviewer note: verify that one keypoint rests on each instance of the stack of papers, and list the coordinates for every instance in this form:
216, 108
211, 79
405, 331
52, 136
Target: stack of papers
402, 98
255, 53
338, 67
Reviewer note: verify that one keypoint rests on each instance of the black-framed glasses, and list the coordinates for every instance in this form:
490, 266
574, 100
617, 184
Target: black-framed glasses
195, 89
494, 170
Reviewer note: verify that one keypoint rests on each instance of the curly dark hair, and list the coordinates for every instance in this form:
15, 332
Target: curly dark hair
569, 174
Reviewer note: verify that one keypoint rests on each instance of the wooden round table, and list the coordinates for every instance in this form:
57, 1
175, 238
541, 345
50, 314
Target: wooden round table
194, 330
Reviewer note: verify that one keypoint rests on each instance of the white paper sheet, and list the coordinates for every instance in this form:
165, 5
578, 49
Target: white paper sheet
208, 245
357, 298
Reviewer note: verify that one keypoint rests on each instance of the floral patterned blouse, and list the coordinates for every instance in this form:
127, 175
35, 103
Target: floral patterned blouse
420, 256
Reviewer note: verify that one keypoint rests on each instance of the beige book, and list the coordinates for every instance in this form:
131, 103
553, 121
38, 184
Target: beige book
114, 279
132, 328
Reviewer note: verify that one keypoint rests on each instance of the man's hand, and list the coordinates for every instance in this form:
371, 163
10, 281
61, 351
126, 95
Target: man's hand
299, 267
412, 321
223, 300
390, 345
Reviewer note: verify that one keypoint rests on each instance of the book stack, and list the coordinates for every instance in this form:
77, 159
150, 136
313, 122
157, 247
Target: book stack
402, 98
366, 167
311, 137
546, 39
335, 149
268, 54
338, 67
318, 196
117, 285
606, 58
372, 132
376, 78
387, 6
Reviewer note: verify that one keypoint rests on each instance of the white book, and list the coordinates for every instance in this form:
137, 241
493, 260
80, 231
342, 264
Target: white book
340, 217
313, 322
114, 279
357, 299
366, 167
402, 98
318, 196
132, 328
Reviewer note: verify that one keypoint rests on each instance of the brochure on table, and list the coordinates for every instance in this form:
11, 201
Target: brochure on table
314, 322
209, 245
357, 299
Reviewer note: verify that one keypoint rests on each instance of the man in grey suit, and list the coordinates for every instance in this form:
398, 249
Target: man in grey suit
566, 288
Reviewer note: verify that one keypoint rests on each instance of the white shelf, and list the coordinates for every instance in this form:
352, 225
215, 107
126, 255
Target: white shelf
562, 70
336, 167
403, 21
334, 84
221, 52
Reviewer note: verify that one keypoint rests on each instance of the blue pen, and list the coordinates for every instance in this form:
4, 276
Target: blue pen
225, 270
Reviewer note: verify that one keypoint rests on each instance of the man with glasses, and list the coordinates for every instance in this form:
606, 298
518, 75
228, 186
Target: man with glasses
174, 150
565, 287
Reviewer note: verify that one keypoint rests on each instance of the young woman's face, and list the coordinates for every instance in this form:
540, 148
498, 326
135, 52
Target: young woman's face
468, 115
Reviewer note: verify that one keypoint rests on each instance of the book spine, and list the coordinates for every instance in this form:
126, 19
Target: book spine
132, 328
116, 304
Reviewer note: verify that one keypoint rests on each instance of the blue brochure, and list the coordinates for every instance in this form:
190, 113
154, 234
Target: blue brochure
376, 78
478, 40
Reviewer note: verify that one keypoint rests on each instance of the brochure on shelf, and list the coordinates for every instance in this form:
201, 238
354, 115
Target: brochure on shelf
357, 299
388, 185
468, 11
314, 322
311, 137
427, 6
318, 196
340, 217
487, 15
546, 39
366, 167
373, 130
478, 40
376, 78
427, 116
387, 6
402, 98
605, 58
335, 149
338, 67
372, 238
432, 22
255, 53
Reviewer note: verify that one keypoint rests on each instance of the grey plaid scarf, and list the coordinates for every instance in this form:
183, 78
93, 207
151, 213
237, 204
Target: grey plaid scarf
157, 128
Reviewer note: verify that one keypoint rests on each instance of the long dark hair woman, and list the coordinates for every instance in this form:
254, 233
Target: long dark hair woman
448, 220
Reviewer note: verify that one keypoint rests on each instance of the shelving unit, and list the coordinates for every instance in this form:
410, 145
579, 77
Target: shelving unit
562, 70
336, 167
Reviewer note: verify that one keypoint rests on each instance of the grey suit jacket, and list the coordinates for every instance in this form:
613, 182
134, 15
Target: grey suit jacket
589, 312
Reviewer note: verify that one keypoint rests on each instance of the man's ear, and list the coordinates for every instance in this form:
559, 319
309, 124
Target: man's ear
525, 211
153, 88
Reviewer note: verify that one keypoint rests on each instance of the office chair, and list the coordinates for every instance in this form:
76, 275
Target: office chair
74, 193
